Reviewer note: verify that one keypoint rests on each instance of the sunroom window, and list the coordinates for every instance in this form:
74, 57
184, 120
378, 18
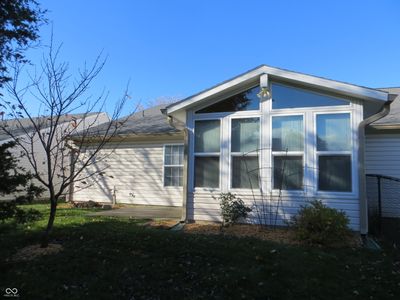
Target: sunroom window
207, 153
287, 152
334, 152
284, 96
244, 101
173, 165
245, 141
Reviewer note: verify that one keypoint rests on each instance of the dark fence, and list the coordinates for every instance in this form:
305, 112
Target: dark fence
383, 193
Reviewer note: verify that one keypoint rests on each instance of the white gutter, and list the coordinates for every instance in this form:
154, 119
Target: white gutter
361, 162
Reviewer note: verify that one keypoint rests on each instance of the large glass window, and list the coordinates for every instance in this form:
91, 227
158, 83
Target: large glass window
287, 152
245, 141
247, 100
334, 152
207, 153
284, 96
173, 165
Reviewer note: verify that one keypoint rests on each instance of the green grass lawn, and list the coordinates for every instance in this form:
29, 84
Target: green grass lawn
105, 258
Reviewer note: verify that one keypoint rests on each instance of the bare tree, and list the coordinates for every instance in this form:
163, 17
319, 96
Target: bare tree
63, 138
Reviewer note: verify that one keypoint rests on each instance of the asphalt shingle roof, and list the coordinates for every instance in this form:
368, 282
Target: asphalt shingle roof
148, 121
393, 118
26, 125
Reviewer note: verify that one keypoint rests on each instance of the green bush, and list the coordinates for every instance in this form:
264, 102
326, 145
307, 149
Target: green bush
232, 208
319, 224
7, 210
27, 216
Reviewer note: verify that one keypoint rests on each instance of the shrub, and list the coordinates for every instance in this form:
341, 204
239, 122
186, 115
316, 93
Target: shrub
7, 210
232, 208
10, 210
319, 224
27, 216
32, 192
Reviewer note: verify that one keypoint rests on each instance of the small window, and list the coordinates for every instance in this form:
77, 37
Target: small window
247, 100
284, 96
245, 143
173, 165
207, 147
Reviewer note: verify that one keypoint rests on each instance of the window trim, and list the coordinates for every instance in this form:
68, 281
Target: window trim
164, 165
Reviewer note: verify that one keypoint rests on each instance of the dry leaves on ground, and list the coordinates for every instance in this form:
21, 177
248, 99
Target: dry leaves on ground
34, 251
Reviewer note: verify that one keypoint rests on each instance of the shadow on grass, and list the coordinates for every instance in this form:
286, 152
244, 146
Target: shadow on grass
115, 258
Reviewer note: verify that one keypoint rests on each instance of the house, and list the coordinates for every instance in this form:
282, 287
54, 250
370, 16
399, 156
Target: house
382, 152
23, 128
273, 137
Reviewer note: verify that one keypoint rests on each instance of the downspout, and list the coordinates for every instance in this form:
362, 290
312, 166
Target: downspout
361, 162
171, 122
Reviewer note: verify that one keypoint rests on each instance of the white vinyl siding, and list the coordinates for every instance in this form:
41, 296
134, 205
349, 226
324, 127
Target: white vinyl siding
382, 156
134, 175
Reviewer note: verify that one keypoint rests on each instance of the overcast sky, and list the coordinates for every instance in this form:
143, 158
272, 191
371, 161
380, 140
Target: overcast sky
172, 49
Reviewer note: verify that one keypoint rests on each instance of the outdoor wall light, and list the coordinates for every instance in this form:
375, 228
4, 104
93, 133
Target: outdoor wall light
264, 93
264, 90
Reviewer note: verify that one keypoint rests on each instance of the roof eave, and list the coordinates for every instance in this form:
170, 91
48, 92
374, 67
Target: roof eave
130, 135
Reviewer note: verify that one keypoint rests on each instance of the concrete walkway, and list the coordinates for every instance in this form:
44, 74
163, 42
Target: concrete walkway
143, 212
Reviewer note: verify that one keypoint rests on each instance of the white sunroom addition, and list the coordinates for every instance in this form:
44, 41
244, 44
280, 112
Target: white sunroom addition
276, 146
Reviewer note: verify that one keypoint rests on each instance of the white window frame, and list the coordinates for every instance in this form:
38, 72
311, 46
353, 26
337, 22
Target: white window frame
165, 165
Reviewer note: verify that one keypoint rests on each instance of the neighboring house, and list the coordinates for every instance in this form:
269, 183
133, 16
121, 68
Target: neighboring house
273, 137
22, 127
135, 170
382, 152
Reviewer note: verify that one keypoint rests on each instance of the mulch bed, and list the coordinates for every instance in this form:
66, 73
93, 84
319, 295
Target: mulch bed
34, 251
279, 235
161, 224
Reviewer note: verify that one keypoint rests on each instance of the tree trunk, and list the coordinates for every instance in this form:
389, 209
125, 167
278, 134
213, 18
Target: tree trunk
46, 234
